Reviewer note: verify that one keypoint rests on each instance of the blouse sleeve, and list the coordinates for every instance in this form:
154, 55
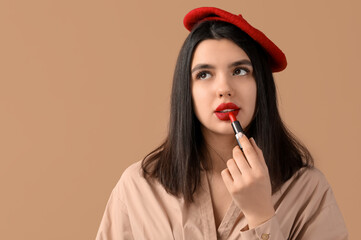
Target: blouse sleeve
115, 222
326, 224
311, 214
268, 230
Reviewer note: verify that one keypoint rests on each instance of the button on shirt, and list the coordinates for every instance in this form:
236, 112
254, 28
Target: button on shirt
142, 209
265, 236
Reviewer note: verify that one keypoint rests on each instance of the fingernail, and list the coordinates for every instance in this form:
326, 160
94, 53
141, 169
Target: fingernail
239, 135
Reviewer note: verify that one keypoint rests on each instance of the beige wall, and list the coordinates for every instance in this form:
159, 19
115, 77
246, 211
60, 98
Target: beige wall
84, 92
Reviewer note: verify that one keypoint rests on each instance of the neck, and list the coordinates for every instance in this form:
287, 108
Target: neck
219, 148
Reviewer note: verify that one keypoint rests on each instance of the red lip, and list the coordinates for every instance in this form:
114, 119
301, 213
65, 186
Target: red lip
223, 106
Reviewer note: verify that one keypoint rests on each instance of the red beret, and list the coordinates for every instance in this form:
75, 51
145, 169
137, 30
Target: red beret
195, 16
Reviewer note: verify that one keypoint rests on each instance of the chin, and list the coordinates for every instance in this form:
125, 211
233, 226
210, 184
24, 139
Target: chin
225, 131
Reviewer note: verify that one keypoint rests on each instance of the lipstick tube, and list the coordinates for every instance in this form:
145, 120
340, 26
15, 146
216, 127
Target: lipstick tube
237, 128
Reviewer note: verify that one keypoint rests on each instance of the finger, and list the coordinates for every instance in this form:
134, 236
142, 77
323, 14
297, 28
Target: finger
259, 153
249, 152
227, 178
240, 160
255, 146
234, 170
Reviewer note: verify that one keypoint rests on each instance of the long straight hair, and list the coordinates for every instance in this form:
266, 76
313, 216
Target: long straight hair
177, 163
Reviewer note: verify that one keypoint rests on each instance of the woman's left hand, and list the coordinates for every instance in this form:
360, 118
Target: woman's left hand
247, 180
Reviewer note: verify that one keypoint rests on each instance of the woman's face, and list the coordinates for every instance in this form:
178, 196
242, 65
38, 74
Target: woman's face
222, 81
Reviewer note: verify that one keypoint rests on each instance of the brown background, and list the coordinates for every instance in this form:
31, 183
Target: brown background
84, 92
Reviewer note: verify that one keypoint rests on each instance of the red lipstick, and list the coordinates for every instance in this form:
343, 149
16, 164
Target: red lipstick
223, 110
237, 128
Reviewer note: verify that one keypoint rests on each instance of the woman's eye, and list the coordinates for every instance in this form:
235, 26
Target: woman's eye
203, 75
240, 72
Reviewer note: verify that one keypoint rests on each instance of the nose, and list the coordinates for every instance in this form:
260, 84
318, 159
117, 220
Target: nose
223, 93
224, 88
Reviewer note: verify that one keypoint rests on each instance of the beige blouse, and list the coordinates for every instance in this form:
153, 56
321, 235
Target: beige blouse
139, 209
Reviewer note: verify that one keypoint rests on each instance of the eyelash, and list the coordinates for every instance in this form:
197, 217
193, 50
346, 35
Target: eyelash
199, 75
241, 68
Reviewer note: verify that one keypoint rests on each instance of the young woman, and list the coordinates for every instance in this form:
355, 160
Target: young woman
199, 184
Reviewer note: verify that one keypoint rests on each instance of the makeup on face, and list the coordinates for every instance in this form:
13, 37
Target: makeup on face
222, 82
237, 128
223, 110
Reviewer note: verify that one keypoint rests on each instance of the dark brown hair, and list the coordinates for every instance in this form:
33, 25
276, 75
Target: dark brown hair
177, 163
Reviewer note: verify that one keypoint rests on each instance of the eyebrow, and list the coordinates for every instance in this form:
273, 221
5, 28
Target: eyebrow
208, 66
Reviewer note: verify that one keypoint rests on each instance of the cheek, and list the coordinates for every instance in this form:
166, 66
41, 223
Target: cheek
249, 93
200, 99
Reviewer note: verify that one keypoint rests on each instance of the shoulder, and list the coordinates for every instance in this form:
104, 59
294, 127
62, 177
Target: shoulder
311, 176
306, 207
131, 175
132, 184
308, 191
306, 183
133, 171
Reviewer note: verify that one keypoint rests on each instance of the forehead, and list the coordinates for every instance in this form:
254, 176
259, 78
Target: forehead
217, 52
